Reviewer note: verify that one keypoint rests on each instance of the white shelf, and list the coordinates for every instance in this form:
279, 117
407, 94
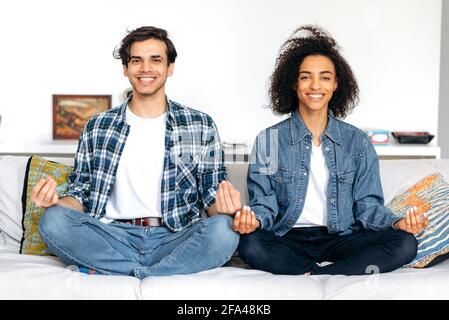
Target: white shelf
392, 150
69, 149
408, 150
57, 148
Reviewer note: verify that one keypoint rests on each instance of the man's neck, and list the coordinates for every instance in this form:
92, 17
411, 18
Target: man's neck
148, 106
316, 122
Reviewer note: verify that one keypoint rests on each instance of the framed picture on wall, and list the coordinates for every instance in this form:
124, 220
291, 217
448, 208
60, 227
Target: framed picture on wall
71, 113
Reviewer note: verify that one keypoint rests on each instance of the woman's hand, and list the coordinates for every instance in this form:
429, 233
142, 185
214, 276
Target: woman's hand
415, 221
245, 221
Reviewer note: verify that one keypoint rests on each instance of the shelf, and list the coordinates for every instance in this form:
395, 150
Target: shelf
51, 149
389, 151
233, 154
403, 151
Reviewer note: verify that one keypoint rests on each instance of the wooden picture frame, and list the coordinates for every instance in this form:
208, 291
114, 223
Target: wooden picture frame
72, 112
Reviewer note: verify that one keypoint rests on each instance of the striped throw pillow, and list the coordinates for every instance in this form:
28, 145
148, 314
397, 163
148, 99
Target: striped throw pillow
431, 194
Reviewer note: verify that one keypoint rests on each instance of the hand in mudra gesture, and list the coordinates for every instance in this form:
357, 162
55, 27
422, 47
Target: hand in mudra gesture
228, 199
414, 221
44, 193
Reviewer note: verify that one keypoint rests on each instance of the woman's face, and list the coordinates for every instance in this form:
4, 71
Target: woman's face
317, 82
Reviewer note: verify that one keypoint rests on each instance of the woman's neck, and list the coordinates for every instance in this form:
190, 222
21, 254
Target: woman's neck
315, 121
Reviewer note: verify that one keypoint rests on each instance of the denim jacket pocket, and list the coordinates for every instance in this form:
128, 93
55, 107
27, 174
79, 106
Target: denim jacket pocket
282, 182
346, 177
345, 189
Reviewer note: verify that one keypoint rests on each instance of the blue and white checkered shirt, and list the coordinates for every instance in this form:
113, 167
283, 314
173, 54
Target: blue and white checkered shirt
193, 164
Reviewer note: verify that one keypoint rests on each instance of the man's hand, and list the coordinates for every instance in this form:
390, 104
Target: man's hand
44, 193
245, 221
414, 221
228, 199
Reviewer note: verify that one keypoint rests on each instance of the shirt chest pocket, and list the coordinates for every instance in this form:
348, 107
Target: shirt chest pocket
185, 175
186, 184
282, 182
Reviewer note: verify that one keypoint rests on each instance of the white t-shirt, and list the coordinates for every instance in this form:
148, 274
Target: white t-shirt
137, 188
314, 213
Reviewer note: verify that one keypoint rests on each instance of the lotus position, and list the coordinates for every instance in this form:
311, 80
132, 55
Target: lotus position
313, 182
143, 173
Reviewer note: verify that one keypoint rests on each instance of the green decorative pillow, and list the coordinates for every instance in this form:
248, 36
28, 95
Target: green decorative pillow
38, 168
431, 194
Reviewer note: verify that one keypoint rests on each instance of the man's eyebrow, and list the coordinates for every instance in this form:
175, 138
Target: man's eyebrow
153, 56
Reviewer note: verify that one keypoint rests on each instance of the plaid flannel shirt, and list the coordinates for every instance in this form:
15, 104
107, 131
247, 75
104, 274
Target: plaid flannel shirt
193, 164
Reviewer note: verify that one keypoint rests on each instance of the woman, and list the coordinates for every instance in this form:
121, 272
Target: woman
314, 184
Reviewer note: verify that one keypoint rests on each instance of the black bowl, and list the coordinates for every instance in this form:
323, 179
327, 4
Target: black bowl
412, 137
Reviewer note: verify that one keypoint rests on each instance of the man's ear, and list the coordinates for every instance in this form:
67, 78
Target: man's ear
125, 70
171, 68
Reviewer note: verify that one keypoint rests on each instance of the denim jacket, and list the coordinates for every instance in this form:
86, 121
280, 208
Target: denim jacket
278, 177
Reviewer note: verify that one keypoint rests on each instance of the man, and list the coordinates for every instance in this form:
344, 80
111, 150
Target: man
143, 173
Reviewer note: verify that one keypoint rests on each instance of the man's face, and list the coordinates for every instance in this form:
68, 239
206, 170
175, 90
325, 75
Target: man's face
148, 68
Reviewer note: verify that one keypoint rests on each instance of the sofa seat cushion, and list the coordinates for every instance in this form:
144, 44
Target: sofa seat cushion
45, 277
230, 283
401, 284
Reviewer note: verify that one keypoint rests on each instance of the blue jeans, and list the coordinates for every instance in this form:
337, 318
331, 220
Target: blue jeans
299, 250
124, 249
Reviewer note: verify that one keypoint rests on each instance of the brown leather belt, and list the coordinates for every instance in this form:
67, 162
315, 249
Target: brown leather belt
144, 222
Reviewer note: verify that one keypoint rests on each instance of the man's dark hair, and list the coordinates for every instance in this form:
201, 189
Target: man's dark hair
141, 34
308, 41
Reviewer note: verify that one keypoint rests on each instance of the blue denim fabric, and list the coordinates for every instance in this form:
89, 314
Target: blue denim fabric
124, 249
278, 177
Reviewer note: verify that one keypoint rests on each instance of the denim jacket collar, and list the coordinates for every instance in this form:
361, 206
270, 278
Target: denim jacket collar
299, 129
333, 130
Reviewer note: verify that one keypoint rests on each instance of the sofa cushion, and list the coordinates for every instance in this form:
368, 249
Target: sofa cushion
431, 195
227, 283
12, 173
39, 168
46, 277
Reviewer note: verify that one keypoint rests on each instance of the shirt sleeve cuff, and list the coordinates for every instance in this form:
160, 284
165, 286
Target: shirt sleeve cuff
209, 198
74, 195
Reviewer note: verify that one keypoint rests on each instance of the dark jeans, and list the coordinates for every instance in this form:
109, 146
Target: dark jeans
298, 251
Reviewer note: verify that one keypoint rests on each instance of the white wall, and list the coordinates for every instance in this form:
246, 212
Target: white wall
227, 50
443, 119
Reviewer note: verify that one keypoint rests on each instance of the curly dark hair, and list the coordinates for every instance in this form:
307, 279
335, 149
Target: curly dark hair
310, 40
141, 34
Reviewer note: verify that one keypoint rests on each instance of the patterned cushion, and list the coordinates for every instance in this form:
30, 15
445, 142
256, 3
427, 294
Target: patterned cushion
38, 168
431, 194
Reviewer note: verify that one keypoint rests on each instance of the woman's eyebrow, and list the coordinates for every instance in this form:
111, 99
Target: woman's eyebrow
321, 72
